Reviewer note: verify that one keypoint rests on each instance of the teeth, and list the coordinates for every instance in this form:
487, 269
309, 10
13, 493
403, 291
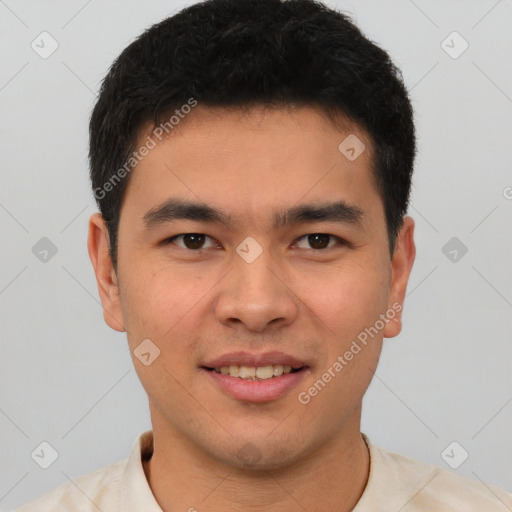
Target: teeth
265, 372
254, 373
278, 370
246, 372
234, 371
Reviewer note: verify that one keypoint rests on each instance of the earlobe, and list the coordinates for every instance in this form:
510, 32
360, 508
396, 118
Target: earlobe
401, 266
106, 277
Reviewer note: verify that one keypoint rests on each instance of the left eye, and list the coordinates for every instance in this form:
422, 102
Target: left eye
319, 241
193, 241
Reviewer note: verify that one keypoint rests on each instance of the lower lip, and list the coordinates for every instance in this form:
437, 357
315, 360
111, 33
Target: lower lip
257, 390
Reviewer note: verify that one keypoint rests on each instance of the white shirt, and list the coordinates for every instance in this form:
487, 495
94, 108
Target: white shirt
395, 483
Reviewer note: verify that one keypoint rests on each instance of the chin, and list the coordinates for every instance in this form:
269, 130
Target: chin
259, 454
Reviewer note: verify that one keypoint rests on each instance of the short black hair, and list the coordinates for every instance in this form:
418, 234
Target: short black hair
243, 53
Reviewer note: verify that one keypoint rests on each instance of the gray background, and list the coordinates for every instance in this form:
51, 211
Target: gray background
67, 379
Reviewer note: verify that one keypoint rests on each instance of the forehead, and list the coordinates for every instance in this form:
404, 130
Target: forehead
251, 161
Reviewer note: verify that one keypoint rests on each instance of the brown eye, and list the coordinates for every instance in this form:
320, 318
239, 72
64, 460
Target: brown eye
318, 241
192, 241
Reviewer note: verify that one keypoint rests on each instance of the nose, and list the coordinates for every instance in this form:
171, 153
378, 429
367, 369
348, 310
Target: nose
257, 296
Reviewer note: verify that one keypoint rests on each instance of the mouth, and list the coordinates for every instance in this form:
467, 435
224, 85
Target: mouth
255, 378
255, 372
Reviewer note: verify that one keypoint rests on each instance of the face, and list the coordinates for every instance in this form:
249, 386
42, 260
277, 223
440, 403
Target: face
249, 240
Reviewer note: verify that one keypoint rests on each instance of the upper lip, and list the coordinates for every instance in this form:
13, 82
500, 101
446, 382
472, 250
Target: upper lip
248, 359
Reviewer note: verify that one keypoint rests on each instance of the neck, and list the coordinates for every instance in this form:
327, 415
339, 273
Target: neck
332, 478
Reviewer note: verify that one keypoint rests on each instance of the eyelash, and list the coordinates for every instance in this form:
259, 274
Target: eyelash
340, 241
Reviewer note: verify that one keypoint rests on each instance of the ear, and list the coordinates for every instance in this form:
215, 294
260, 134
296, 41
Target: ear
401, 266
108, 286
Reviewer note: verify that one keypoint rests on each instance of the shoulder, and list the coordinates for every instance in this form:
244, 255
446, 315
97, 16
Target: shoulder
98, 490
428, 488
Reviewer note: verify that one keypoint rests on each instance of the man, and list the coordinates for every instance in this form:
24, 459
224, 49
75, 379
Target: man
252, 162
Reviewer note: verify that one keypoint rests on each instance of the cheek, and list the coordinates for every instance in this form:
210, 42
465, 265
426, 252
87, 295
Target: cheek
169, 307
155, 300
161, 306
349, 298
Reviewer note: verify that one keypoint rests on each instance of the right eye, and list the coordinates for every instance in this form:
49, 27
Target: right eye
191, 241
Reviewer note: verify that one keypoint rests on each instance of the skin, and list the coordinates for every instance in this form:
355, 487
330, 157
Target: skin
307, 302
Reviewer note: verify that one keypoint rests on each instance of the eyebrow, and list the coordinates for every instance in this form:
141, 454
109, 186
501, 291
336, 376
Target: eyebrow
182, 209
